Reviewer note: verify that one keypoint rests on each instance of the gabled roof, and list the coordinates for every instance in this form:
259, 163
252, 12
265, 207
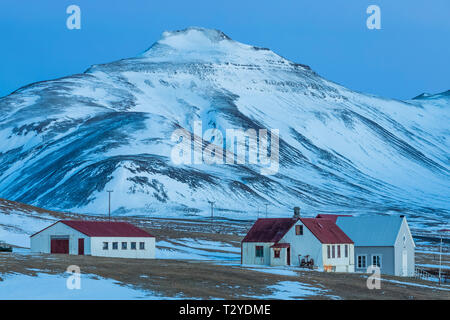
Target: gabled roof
104, 228
332, 216
273, 230
373, 231
326, 231
269, 229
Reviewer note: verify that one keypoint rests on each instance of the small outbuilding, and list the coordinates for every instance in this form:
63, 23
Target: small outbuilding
95, 238
310, 242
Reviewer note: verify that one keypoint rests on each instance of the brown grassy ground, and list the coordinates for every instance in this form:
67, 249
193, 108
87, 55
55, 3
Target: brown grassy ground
205, 279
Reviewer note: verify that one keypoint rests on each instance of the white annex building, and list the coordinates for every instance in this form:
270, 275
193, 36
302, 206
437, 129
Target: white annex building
298, 241
383, 241
95, 238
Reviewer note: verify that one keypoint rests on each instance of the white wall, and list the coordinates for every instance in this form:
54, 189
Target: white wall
306, 244
148, 253
249, 253
281, 261
404, 244
92, 245
342, 264
41, 241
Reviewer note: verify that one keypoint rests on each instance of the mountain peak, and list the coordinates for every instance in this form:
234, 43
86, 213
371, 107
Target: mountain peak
193, 35
204, 44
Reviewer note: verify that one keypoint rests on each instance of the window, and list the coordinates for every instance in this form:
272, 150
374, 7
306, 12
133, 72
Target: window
338, 250
124, 246
333, 251
276, 253
361, 261
133, 246
105, 245
115, 245
346, 250
328, 251
376, 260
259, 251
299, 230
142, 245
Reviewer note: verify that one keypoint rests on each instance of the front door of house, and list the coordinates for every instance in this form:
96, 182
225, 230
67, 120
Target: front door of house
404, 263
81, 246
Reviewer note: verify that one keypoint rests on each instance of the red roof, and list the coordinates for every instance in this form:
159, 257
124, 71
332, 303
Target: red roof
104, 228
332, 216
281, 245
269, 229
326, 230
273, 230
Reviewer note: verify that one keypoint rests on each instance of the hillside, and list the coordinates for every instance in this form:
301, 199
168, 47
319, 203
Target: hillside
67, 141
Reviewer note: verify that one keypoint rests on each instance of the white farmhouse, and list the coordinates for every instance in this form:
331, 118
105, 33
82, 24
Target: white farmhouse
289, 241
383, 241
95, 238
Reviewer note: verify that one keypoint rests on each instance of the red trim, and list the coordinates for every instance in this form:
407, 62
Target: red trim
44, 229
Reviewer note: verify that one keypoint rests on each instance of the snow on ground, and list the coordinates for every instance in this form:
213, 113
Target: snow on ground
435, 266
196, 250
16, 227
292, 290
433, 252
417, 285
54, 287
283, 271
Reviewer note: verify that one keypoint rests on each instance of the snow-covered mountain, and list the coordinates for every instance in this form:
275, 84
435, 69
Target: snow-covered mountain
65, 142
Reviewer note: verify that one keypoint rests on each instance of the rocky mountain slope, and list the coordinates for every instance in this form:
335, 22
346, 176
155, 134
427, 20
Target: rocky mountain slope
66, 141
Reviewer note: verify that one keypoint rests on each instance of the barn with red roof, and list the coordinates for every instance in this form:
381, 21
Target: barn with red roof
95, 238
308, 242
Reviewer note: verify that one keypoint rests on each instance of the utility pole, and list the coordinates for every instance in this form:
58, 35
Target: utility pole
440, 261
109, 204
212, 209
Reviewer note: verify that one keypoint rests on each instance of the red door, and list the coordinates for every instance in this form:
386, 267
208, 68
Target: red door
81, 246
59, 246
288, 256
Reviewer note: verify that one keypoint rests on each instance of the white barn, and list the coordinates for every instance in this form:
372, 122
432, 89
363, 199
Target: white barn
95, 238
288, 241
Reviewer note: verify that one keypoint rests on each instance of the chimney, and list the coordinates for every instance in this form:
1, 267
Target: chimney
297, 212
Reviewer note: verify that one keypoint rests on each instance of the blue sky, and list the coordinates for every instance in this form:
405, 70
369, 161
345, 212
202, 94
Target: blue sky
408, 56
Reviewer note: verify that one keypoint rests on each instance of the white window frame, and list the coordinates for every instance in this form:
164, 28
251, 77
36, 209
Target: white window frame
357, 261
376, 255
